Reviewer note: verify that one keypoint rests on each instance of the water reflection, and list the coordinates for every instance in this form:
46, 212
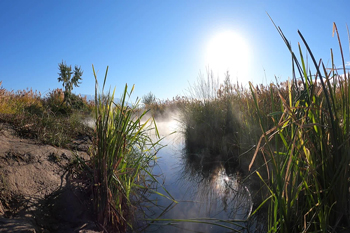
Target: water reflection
216, 185
209, 189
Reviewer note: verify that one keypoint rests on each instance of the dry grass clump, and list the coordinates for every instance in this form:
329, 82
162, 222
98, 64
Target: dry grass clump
16, 102
47, 119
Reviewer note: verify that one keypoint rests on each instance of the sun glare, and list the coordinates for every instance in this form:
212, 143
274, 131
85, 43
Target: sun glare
228, 51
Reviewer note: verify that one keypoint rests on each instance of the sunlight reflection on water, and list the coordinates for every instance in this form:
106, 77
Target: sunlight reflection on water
201, 192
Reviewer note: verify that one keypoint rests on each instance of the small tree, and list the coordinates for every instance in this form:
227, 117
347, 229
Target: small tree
65, 76
148, 99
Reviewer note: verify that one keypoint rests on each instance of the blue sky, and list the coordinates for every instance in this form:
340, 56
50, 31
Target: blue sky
159, 46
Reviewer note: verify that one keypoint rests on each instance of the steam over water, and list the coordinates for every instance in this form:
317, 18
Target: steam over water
202, 187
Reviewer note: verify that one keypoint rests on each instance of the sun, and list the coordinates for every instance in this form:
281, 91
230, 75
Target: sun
228, 51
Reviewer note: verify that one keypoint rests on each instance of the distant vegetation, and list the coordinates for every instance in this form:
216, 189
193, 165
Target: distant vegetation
55, 118
46, 118
149, 99
65, 76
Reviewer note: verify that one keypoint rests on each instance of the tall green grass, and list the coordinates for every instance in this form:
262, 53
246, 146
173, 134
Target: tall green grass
124, 153
308, 149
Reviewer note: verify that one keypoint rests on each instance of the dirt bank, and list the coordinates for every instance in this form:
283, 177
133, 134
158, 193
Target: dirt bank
39, 189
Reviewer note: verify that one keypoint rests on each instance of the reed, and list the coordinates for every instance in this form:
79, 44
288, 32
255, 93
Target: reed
123, 156
220, 120
308, 149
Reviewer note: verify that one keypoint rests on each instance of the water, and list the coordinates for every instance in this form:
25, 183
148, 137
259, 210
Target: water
207, 190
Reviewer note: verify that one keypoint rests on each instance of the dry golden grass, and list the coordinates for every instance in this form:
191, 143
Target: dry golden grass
47, 119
